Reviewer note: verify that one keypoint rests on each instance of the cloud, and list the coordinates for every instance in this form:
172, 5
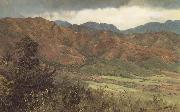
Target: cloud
122, 13
122, 17
169, 4
15, 8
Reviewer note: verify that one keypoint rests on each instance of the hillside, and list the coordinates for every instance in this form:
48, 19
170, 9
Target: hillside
75, 45
165, 40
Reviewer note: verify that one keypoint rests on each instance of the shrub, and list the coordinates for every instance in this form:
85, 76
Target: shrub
103, 101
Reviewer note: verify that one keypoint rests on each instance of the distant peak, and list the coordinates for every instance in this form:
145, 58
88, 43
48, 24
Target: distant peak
101, 26
169, 21
63, 23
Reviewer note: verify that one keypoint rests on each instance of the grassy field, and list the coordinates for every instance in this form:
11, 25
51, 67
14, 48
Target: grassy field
167, 87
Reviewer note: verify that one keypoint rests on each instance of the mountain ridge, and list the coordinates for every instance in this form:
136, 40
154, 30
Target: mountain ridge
69, 47
168, 26
63, 23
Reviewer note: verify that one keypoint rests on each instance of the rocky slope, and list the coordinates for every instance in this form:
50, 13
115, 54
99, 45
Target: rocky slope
75, 45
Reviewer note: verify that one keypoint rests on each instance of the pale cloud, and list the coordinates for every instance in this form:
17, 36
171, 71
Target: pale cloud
123, 17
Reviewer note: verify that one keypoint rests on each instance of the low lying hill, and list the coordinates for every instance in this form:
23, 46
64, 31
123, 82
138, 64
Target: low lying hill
76, 44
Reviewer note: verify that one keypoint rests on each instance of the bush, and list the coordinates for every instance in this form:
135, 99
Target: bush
103, 101
70, 93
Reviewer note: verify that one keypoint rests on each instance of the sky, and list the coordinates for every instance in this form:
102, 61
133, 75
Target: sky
124, 14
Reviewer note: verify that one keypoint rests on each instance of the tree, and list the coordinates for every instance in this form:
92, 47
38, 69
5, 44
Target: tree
30, 83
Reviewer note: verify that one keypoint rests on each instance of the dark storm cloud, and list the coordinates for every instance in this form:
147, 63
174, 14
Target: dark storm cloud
65, 4
19, 7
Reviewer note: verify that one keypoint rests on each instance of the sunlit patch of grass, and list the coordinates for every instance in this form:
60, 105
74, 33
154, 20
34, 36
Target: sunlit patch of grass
152, 80
140, 81
109, 86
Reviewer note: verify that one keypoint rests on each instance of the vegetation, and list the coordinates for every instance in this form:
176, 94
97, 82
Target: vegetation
103, 101
115, 68
29, 85
118, 67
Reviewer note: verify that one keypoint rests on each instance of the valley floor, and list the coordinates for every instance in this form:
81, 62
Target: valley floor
165, 85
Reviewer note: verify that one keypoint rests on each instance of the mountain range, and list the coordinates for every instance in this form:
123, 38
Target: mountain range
168, 26
76, 45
